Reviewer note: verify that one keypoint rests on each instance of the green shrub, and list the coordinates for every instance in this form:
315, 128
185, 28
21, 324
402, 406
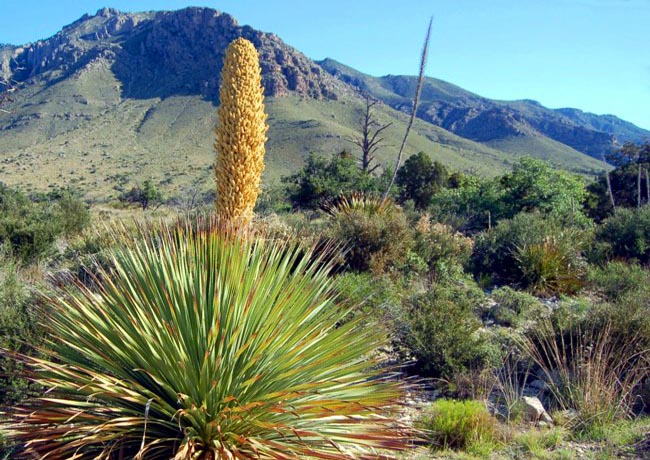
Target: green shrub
626, 235
29, 228
375, 233
441, 331
72, 214
533, 251
419, 179
465, 425
444, 250
368, 295
19, 331
513, 307
617, 279
206, 346
321, 181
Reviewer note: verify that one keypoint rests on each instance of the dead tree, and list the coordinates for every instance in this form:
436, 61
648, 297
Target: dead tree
369, 142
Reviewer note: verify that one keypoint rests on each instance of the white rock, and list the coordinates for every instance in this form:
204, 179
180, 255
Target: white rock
535, 411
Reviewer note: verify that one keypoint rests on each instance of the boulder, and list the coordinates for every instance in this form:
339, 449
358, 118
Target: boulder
535, 411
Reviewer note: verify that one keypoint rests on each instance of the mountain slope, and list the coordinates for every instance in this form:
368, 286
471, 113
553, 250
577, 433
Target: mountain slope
497, 123
117, 98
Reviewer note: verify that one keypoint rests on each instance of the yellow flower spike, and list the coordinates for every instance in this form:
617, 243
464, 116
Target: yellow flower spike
241, 134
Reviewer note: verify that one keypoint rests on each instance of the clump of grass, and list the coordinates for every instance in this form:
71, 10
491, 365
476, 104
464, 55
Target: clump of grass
588, 368
460, 425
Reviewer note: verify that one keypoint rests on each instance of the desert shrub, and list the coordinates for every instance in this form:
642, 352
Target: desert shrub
322, 180
419, 179
440, 330
533, 251
444, 250
368, 296
626, 235
29, 228
463, 425
19, 331
617, 279
375, 233
146, 196
512, 307
206, 346
534, 186
272, 199
472, 205
26, 228
70, 213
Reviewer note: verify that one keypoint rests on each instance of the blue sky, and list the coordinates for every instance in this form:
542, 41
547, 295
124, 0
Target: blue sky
589, 54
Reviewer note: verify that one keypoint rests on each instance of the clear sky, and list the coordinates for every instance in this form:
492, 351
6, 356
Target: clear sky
589, 54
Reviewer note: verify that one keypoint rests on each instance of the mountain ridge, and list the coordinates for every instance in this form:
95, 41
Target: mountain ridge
458, 110
114, 98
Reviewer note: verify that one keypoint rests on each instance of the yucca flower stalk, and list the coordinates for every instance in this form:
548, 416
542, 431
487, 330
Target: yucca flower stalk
204, 346
241, 134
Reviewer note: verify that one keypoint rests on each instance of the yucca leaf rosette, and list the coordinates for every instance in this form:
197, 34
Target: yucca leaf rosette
203, 346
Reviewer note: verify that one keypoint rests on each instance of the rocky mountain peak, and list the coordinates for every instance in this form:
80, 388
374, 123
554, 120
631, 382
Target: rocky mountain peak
160, 54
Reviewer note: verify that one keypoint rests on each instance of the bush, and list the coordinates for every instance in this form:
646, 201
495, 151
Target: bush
512, 307
321, 181
533, 251
375, 233
19, 331
369, 296
71, 214
532, 186
465, 425
617, 279
444, 250
29, 229
441, 331
419, 179
145, 196
207, 346
626, 235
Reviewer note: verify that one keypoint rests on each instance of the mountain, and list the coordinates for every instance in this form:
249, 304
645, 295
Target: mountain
512, 125
115, 98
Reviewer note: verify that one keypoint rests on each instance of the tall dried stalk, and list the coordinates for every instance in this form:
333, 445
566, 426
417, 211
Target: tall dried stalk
416, 100
609, 187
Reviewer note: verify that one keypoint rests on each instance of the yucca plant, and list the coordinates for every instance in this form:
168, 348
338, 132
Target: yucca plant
550, 267
200, 346
358, 202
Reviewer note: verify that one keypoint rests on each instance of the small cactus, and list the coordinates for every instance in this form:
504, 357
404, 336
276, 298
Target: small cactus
241, 134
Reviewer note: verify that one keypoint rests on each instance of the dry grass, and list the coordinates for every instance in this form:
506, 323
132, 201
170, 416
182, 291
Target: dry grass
588, 368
